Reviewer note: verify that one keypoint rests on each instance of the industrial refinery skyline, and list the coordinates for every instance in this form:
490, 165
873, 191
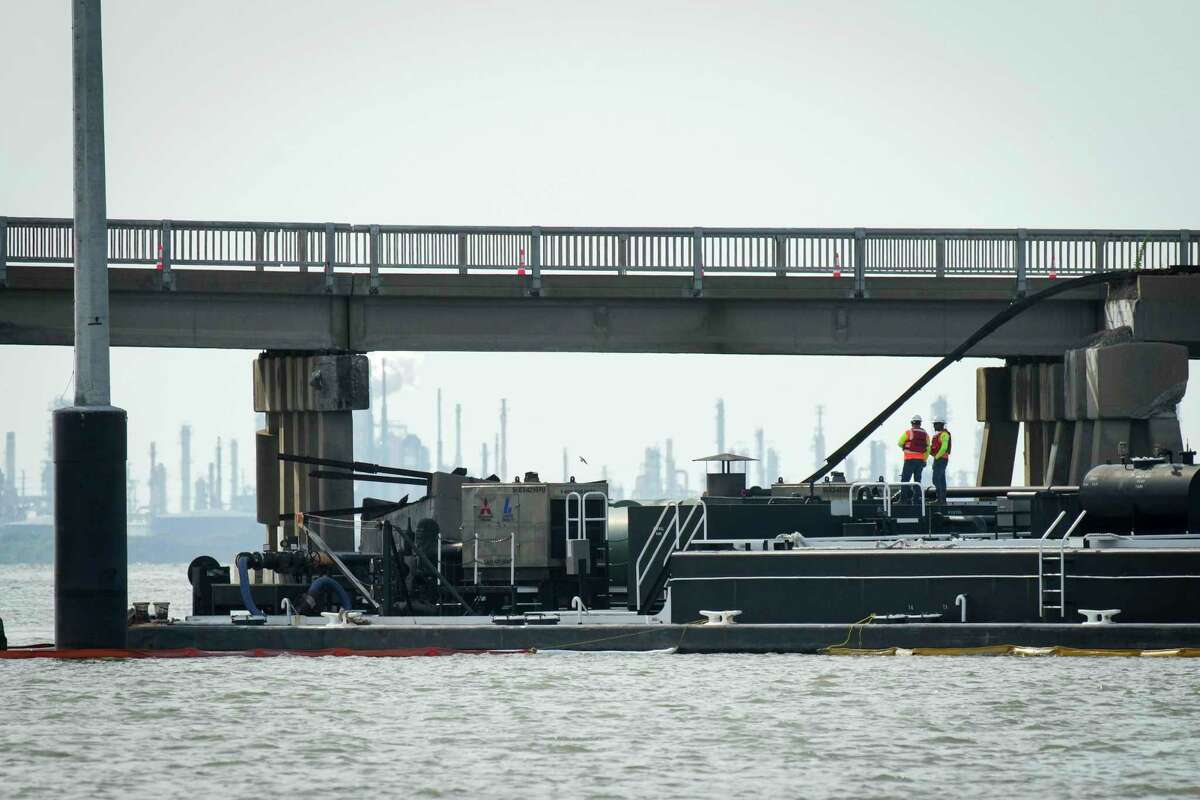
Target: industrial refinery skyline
403, 427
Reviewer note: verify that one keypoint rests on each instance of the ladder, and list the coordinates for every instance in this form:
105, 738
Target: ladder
1052, 594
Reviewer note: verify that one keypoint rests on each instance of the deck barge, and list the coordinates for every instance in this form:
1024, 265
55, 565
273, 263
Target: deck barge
696, 638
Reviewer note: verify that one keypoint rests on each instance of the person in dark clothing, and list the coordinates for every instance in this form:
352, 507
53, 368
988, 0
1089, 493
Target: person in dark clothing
939, 451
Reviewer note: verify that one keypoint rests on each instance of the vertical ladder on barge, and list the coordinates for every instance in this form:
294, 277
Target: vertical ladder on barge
1052, 564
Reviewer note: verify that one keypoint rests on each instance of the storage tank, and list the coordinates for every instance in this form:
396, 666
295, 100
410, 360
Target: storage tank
618, 545
1145, 495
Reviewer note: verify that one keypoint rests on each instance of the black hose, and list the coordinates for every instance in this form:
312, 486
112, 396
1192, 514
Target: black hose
244, 585
1017, 307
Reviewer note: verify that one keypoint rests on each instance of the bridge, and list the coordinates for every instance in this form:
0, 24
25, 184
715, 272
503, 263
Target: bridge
336, 286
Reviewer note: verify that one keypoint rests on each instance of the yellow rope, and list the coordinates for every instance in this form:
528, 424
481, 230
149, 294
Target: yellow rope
849, 633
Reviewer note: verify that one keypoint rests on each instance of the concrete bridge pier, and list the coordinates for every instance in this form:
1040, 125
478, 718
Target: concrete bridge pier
1124, 392
1116, 398
308, 399
993, 407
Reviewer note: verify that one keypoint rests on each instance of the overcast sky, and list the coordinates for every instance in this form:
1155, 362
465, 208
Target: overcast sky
720, 113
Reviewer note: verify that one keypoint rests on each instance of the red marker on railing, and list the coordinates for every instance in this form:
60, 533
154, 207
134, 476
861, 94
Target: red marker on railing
837, 265
1053, 273
521, 262
159, 265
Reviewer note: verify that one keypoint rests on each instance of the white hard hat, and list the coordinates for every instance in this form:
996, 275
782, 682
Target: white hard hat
939, 420
916, 418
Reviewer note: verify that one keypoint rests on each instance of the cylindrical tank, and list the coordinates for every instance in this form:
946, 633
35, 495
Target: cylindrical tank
618, 545
1145, 496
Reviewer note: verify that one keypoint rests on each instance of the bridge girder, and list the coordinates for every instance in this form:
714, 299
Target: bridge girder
645, 313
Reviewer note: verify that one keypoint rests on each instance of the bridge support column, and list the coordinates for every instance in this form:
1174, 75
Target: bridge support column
1124, 392
308, 400
1103, 402
1023, 399
994, 409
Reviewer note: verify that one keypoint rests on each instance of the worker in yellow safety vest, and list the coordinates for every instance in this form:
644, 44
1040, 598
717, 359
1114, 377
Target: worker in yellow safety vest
914, 443
939, 449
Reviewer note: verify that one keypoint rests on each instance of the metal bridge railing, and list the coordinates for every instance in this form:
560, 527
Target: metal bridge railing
853, 252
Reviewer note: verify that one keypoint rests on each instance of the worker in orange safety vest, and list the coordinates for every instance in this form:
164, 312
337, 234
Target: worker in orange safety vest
914, 443
939, 450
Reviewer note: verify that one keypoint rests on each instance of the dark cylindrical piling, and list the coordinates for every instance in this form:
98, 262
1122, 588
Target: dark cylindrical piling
90, 571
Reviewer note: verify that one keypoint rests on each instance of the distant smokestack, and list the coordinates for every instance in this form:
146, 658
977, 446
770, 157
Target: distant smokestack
10, 464
152, 480
496, 456
671, 487
762, 457
818, 442
503, 455
458, 459
483, 452
185, 469
566, 466
720, 425
216, 493
210, 488
773, 470
233, 472
939, 410
441, 465
384, 442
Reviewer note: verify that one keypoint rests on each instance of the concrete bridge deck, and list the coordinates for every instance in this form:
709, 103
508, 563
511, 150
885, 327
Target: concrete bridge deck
910, 316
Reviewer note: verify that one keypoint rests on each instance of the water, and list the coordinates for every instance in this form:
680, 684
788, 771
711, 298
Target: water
584, 725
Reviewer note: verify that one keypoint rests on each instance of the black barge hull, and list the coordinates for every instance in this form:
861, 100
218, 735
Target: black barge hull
735, 638
1017, 585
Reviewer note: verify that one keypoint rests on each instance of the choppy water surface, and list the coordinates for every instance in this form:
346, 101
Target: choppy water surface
576, 725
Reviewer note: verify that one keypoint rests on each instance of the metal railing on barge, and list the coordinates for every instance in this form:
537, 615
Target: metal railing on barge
856, 253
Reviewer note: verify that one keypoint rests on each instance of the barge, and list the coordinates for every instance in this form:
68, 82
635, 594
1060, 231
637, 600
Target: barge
1112, 564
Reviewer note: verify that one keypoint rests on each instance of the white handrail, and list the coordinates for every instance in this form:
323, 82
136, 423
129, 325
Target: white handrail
586, 519
1074, 524
1054, 524
637, 564
887, 493
1062, 563
682, 536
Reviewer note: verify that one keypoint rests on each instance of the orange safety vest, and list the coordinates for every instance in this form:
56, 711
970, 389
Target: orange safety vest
941, 439
915, 444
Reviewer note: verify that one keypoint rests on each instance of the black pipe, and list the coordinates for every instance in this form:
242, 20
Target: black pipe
998, 491
90, 561
375, 508
353, 476
357, 466
1017, 307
